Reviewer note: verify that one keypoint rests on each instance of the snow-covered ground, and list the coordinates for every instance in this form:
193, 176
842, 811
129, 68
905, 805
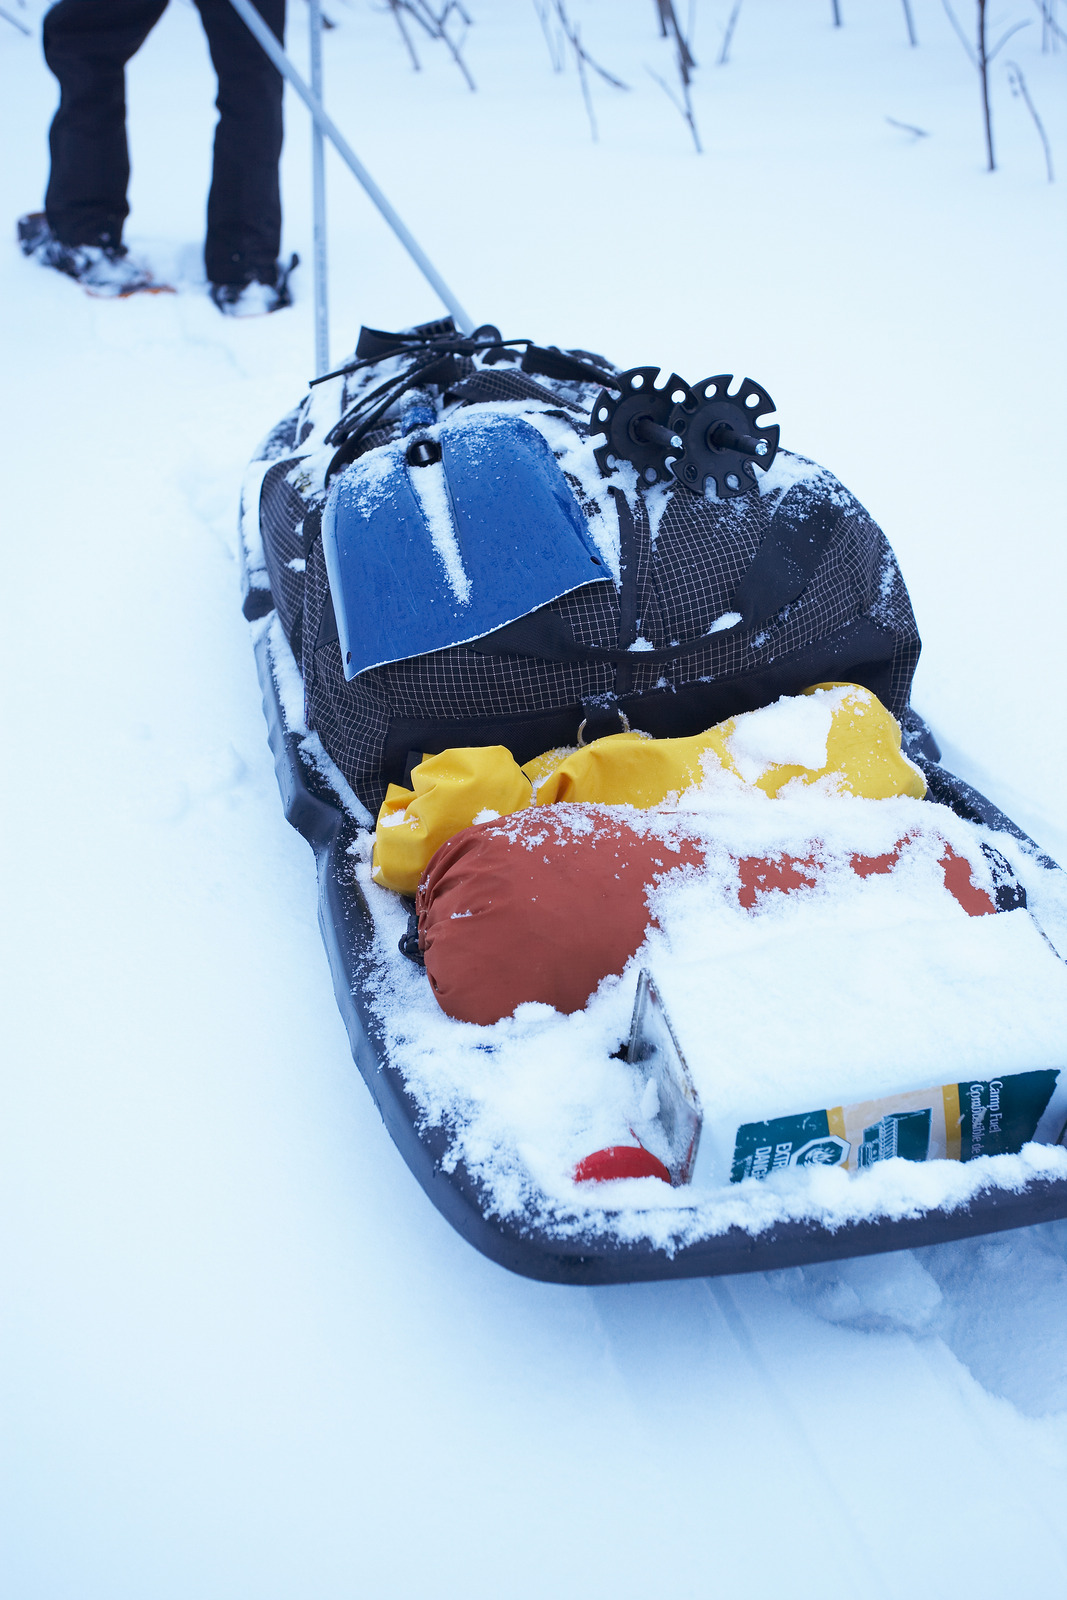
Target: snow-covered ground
243, 1356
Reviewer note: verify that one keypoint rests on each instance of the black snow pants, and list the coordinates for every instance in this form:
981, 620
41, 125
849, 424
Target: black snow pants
87, 44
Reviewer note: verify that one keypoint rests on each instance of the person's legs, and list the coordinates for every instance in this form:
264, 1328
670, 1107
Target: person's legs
87, 44
244, 217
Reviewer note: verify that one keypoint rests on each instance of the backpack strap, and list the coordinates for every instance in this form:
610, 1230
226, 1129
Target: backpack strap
552, 363
785, 563
780, 571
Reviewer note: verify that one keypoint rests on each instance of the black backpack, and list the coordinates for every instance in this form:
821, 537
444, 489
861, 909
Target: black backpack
730, 572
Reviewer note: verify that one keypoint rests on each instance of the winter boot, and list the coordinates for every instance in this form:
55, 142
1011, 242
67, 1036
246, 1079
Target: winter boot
258, 296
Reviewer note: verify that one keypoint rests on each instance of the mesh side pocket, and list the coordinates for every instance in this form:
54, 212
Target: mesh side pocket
281, 521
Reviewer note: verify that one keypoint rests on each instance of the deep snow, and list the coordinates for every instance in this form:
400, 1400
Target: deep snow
242, 1354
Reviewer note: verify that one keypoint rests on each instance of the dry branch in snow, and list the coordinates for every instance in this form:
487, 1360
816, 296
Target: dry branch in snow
1019, 89
909, 22
435, 23
728, 34
684, 62
1052, 35
553, 39
981, 58
582, 59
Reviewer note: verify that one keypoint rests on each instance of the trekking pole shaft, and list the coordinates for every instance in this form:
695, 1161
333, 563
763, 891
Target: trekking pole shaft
254, 22
721, 436
318, 198
645, 431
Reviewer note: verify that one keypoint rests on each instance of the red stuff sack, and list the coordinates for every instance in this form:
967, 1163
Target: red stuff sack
538, 906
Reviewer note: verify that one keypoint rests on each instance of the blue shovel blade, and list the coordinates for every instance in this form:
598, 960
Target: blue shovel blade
421, 558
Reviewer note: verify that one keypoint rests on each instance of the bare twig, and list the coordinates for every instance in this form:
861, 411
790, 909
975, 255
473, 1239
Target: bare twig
908, 127
579, 56
980, 56
728, 34
581, 52
837, 12
910, 21
398, 13
998, 47
452, 45
435, 25
1051, 32
983, 72
685, 63
427, 18
1018, 87
960, 35
671, 29
552, 39
582, 60
680, 106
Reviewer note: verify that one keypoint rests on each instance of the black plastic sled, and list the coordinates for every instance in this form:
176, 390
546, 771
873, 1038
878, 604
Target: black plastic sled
527, 1246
